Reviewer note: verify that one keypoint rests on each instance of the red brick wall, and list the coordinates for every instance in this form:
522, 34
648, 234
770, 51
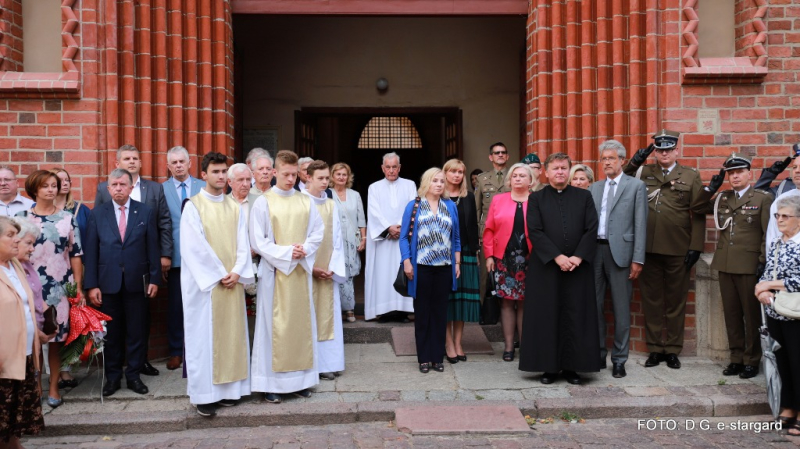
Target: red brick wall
11, 29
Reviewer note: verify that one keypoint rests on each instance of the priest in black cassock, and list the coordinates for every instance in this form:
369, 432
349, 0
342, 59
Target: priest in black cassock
559, 333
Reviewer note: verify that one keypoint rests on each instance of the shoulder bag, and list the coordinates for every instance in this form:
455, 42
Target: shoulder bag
786, 303
401, 281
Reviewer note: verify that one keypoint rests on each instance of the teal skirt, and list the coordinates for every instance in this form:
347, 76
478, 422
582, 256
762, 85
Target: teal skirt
465, 303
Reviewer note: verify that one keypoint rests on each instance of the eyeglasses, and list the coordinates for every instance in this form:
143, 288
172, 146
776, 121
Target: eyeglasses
610, 159
783, 216
497, 153
664, 150
7, 181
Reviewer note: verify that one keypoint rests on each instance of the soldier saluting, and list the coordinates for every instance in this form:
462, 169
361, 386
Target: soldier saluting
741, 216
675, 235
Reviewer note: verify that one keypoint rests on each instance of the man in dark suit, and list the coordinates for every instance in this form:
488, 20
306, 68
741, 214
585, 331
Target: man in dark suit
152, 194
177, 189
620, 248
123, 270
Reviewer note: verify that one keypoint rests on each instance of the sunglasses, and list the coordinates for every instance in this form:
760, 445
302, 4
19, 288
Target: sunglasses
496, 153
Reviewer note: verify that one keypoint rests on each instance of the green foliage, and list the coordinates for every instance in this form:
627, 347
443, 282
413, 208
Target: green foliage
71, 353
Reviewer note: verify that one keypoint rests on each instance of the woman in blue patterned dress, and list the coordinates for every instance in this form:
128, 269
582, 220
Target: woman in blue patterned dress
782, 273
56, 258
430, 257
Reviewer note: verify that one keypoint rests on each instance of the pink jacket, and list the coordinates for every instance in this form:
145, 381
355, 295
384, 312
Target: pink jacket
500, 224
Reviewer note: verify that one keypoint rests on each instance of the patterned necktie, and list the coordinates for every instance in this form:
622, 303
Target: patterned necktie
666, 173
183, 191
123, 223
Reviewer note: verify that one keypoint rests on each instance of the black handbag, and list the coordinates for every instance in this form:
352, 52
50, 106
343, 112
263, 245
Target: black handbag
50, 321
490, 309
401, 281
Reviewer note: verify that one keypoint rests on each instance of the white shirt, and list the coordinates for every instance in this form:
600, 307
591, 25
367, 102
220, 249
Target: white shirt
772, 229
669, 170
18, 204
601, 225
187, 182
127, 209
136, 193
741, 193
12, 276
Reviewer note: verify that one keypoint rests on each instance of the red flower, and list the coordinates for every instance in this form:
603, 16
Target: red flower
501, 279
520, 276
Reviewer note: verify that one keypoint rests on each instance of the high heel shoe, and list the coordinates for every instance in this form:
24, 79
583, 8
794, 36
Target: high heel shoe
452, 359
462, 357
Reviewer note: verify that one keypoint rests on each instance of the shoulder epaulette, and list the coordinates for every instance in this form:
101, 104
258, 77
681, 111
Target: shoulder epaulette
765, 192
690, 168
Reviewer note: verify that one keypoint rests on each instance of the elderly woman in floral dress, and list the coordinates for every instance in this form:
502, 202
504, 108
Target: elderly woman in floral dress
56, 258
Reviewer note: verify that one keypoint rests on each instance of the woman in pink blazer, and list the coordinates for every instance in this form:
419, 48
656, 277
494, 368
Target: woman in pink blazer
506, 247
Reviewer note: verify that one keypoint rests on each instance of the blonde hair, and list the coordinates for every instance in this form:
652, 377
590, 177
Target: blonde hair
425, 182
580, 167
70, 203
339, 166
513, 168
451, 165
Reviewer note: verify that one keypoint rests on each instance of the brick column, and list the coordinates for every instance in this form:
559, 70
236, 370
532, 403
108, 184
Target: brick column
593, 74
169, 79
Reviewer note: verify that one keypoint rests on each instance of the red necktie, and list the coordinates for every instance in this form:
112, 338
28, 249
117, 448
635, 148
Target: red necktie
123, 223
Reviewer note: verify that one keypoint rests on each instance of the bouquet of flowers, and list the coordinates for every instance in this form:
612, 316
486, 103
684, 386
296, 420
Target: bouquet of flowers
87, 327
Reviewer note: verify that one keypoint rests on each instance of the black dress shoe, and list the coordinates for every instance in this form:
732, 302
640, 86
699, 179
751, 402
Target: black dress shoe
305, 394
749, 372
603, 364
673, 362
462, 358
654, 359
137, 386
111, 388
733, 369
571, 377
148, 370
438, 367
548, 378
207, 410
618, 370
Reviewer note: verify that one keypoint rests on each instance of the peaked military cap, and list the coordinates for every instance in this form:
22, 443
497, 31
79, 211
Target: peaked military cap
736, 161
531, 158
665, 139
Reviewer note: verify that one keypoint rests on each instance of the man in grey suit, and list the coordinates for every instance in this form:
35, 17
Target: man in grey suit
176, 189
621, 203
150, 193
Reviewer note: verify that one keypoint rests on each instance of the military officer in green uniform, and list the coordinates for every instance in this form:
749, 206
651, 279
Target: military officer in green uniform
488, 184
741, 216
675, 236
536, 166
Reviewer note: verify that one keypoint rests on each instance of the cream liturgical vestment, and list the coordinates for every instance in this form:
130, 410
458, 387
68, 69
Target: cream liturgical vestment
215, 321
284, 356
327, 305
386, 203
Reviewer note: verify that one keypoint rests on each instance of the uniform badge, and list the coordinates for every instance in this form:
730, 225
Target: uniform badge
650, 177
672, 182
750, 207
750, 219
487, 195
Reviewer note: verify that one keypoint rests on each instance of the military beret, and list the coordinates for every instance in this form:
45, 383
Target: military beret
531, 158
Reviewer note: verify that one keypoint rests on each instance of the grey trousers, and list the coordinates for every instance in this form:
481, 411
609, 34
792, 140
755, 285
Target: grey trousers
608, 274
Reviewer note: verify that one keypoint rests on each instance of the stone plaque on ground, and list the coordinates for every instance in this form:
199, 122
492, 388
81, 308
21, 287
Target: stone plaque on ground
474, 341
448, 420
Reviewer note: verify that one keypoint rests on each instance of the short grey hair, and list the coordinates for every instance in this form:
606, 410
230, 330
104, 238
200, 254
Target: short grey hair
251, 155
525, 167
5, 222
792, 202
120, 172
8, 169
176, 150
237, 168
26, 228
304, 160
614, 145
257, 157
391, 155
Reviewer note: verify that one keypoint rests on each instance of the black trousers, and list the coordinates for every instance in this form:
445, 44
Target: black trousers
127, 333
430, 311
175, 313
787, 333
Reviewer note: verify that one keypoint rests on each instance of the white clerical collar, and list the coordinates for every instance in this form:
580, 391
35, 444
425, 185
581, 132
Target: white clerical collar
215, 198
282, 192
741, 193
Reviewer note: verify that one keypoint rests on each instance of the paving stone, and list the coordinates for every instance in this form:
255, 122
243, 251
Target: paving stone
646, 391
413, 395
545, 392
358, 397
317, 397
499, 395
443, 420
388, 395
441, 395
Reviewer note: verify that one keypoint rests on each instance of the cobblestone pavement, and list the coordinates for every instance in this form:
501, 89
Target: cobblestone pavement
678, 432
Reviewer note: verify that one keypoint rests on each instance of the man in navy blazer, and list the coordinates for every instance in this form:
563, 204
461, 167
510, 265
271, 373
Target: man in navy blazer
152, 194
179, 187
123, 270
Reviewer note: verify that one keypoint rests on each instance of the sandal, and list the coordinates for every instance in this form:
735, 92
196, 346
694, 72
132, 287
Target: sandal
508, 356
424, 368
438, 367
67, 383
786, 421
794, 429
350, 316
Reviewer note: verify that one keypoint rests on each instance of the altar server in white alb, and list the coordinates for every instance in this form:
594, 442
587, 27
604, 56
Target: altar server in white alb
215, 266
329, 272
386, 203
286, 230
